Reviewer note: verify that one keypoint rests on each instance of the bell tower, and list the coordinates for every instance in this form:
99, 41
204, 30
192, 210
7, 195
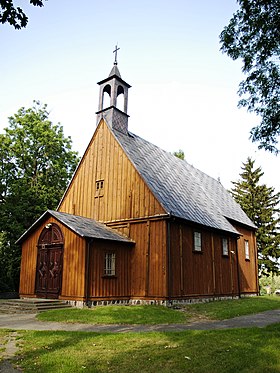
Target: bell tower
115, 116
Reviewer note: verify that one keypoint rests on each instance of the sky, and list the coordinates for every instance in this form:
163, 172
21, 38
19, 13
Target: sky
184, 89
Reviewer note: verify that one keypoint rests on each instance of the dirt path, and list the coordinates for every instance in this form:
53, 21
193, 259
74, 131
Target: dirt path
8, 350
29, 322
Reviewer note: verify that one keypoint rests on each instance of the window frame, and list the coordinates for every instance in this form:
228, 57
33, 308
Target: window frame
225, 252
99, 188
109, 264
247, 250
197, 248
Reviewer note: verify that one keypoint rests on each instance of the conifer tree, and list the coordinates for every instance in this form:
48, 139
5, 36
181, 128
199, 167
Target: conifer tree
261, 204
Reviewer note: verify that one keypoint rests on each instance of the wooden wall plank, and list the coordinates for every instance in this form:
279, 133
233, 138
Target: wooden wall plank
109, 287
248, 268
210, 273
125, 193
73, 262
157, 260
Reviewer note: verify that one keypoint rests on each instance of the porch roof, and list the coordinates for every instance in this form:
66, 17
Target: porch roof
84, 227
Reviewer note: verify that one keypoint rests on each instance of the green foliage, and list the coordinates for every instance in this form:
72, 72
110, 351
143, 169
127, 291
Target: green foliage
261, 204
269, 283
254, 350
36, 163
179, 154
15, 15
253, 35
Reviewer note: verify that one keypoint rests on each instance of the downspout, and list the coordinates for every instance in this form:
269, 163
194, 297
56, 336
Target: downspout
88, 243
213, 265
238, 272
256, 264
169, 282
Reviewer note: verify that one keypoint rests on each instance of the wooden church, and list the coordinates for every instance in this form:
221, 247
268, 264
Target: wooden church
136, 224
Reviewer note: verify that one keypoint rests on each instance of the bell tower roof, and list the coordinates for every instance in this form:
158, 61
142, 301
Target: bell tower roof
115, 71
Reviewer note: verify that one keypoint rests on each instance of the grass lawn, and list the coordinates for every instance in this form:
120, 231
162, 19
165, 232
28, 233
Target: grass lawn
3, 341
227, 309
116, 315
240, 350
218, 310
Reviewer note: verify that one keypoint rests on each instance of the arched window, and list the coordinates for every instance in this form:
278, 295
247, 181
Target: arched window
106, 97
51, 234
120, 98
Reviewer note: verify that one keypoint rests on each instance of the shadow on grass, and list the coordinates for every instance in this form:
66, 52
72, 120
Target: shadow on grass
239, 350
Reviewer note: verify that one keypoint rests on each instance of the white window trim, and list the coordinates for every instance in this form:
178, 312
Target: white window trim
225, 246
246, 249
197, 241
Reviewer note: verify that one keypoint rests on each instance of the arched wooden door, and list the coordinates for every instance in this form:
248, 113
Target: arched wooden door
49, 262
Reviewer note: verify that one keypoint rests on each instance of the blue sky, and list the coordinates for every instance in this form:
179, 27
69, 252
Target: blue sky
183, 91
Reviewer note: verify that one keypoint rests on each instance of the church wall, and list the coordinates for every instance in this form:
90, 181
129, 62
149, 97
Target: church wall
73, 280
123, 195
102, 287
157, 270
225, 270
28, 264
148, 258
201, 274
248, 267
73, 277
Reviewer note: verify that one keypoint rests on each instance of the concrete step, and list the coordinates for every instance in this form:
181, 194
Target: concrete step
31, 305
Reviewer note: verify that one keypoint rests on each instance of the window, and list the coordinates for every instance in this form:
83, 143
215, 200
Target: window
225, 246
247, 252
110, 264
99, 188
197, 241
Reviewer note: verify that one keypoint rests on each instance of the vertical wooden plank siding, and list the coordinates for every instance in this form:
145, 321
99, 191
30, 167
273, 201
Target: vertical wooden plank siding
248, 268
157, 260
225, 266
148, 261
28, 265
109, 287
205, 273
125, 193
138, 233
73, 263
73, 280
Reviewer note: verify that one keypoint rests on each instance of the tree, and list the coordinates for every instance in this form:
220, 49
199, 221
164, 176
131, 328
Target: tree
15, 15
36, 163
269, 283
253, 35
179, 154
261, 204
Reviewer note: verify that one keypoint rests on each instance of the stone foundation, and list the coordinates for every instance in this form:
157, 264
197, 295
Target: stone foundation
167, 303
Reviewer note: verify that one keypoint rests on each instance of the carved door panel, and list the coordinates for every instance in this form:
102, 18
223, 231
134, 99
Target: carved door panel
42, 270
49, 263
54, 274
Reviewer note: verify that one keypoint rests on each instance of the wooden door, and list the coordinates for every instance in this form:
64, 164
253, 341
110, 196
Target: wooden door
49, 262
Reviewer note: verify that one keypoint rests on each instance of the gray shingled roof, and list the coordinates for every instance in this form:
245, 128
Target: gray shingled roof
84, 227
183, 190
